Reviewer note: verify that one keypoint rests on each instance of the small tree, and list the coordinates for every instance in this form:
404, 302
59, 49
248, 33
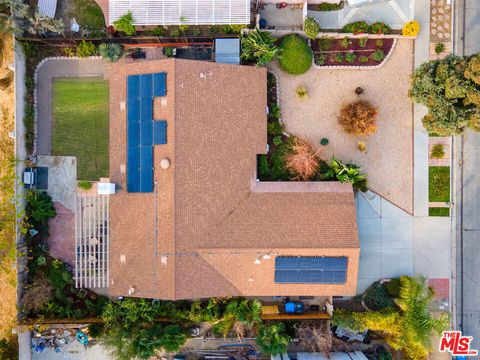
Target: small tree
173, 338
450, 88
259, 46
311, 27
272, 338
111, 52
358, 118
39, 24
302, 160
125, 24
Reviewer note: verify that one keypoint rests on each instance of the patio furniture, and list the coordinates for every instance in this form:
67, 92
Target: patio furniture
138, 54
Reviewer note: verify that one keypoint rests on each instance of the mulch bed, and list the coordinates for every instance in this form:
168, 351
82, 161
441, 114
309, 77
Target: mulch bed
327, 51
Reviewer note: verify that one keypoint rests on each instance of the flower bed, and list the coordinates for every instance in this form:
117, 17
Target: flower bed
351, 51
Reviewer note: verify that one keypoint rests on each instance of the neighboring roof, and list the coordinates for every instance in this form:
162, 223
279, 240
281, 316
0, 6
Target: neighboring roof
199, 233
227, 51
176, 12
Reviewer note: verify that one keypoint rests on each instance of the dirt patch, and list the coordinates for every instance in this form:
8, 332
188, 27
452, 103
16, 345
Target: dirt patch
388, 159
8, 275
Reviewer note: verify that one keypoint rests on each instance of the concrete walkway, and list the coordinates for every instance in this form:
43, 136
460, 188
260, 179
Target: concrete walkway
68, 67
395, 13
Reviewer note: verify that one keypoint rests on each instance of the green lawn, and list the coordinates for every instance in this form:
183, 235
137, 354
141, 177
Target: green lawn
439, 183
88, 13
436, 211
80, 124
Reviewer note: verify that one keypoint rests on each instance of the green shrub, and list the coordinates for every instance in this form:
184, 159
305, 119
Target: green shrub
85, 185
377, 297
275, 128
29, 123
302, 92
345, 43
212, 30
379, 28
349, 173
350, 57
378, 55
296, 56
393, 287
274, 111
379, 43
339, 57
232, 29
173, 338
324, 141
439, 48
438, 151
325, 6
363, 59
311, 27
38, 209
111, 52
125, 24
86, 49
159, 31
320, 59
272, 338
325, 43
169, 51
356, 27
69, 51
384, 354
196, 31
263, 168
30, 49
362, 42
259, 47
277, 140
175, 32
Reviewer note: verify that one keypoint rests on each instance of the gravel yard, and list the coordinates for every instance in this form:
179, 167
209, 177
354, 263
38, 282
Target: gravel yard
388, 160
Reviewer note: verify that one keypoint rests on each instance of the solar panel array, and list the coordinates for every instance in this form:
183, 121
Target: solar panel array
311, 270
142, 131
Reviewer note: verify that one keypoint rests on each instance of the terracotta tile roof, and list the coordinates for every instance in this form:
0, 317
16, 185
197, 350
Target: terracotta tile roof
199, 233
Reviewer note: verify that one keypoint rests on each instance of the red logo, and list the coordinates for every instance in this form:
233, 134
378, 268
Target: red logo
456, 344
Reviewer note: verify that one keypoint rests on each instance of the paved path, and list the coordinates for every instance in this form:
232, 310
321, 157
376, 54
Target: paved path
394, 13
59, 68
467, 42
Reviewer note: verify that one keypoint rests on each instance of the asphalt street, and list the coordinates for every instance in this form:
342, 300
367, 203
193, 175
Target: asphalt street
468, 190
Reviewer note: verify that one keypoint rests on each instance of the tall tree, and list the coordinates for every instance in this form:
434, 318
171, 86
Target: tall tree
450, 88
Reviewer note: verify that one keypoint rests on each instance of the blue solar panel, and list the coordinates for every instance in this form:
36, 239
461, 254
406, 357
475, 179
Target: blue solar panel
146, 179
141, 89
146, 85
146, 136
159, 84
133, 133
311, 270
146, 157
133, 86
159, 132
146, 110
133, 109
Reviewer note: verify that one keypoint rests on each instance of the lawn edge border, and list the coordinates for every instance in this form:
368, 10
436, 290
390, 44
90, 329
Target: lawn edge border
35, 79
357, 67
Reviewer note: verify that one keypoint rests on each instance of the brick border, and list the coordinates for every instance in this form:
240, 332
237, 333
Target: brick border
35, 80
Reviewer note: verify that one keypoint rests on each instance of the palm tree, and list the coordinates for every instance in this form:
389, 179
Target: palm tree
409, 328
259, 46
272, 338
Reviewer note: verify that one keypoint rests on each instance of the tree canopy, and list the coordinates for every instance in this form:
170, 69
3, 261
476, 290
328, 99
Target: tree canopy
450, 88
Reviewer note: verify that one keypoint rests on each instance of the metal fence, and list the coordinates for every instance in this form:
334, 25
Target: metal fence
71, 41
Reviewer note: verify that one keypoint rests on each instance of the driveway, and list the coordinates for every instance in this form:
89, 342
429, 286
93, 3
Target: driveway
393, 12
394, 243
